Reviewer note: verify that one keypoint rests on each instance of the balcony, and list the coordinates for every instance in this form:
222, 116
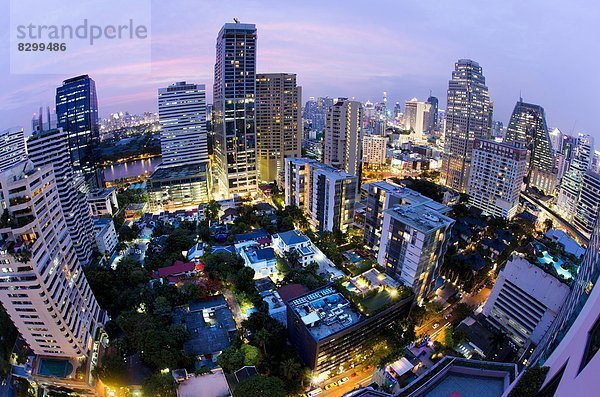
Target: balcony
19, 200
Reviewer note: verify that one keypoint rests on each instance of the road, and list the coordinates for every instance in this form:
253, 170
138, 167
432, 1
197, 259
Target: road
234, 306
362, 379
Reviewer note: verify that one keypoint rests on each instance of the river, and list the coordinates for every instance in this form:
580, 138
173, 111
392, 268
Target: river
130, 169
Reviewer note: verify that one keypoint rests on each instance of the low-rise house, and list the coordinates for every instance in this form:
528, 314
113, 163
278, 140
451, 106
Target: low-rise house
253, 235
178, 272
295, 240
262, 260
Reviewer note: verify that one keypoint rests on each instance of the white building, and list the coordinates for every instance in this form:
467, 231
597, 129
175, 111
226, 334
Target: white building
42, 285
295, 240
342, 146
525, 300
414, 239
496, 177
106, 235
588, 203
12, 147
261, 259
374, 149
51, 147
416, 116
103, 201
572, 181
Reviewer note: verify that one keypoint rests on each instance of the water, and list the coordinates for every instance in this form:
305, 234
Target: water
131, 169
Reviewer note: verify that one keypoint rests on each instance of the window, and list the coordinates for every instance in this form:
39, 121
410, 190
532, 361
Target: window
593, 345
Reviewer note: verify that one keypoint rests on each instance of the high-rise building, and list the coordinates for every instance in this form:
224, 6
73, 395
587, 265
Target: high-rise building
12, 147
556, 137
572, 181
234, 110
467, 118
51, 148
496, 177
77, 115
182, 115
43, 288
414, 239
374, 149
325, 194
342, 143
278, 122
433, 113
383, 195
528, 126
588, 203
525, 300
417, 117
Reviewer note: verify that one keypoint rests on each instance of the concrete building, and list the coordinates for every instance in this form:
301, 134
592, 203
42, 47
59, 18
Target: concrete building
260, 259
103, 202
525, 300
106, 235
572, 181
528, 126
327, 195
467, 118
414, 239
374, 149
295, 240
342, 142
51, 148
234, 110
417, 117
496, 177
278, 122
12, 147
588, 203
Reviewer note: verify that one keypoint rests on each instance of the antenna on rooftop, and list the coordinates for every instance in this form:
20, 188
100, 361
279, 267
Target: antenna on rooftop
236, 20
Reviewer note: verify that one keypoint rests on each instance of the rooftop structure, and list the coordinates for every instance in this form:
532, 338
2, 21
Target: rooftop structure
252, 235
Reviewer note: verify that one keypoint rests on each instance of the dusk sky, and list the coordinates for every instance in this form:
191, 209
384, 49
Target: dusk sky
547, 50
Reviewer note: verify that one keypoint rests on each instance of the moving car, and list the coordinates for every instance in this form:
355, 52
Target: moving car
343, 380
314, 392
331, 385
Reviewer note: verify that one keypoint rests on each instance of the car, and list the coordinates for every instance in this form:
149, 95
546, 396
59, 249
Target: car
447, 316
436, 325
331, 385
343, 380
314, 392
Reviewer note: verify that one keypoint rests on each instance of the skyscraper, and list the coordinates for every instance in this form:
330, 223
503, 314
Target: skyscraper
77, 114
467, 118
374, 149
278, 122
528, 126
12, 147
588, 203
51, 148
496, 177
572, 181
234, 110
433, 113
182, 114
44, 290
342, 143
416, 116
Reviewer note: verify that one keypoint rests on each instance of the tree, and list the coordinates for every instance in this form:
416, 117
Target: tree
262, 336
112, 371
291, 368
497, 339
251, 354
231, 359
211, 210
530, 382
261, 386
160, 385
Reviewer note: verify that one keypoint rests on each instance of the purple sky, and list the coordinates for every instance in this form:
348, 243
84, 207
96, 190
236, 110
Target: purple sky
544, 48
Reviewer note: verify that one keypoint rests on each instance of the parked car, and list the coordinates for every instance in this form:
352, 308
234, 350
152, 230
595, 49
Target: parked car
331, 385
343, 380
436, 325
314, 392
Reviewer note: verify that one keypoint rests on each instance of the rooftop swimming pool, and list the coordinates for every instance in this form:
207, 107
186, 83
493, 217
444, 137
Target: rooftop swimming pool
467, 386
557, 263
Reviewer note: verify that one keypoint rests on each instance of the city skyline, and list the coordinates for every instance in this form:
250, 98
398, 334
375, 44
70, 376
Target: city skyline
405, 59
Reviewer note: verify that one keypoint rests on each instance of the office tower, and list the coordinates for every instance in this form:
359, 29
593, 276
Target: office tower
234, 110
572, 181
498, 129
527, 125
525, 300
416, 117
397, 112
384, 195
467, 118
433, 113
595, 166
414, 239
182, 115
496, 177
325, 194
51, 148
342, 145
44, 290
39, 122
556, 137
77, 114
588, 203
183, 178
374, 149
12, 147
334, 343
278, 122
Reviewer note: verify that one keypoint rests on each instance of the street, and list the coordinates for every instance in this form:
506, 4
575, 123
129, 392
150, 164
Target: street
362, 379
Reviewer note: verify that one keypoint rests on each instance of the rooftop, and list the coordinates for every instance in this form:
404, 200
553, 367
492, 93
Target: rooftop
292, 237
177, 268
252, 235
256, 255
550, 261
423, 217
177, 173
324, 312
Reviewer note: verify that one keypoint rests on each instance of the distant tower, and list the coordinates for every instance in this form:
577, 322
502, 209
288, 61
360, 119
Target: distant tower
342, 147
12, 147
467, 118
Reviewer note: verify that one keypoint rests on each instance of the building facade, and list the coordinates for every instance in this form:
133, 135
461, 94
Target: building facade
374, 149
572, 181
527, 126
278, 122
467, 117
12, 147
497, 174
342, 141
413, 242
417, 117
588, 203
51, 148
234, 122
77, 115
